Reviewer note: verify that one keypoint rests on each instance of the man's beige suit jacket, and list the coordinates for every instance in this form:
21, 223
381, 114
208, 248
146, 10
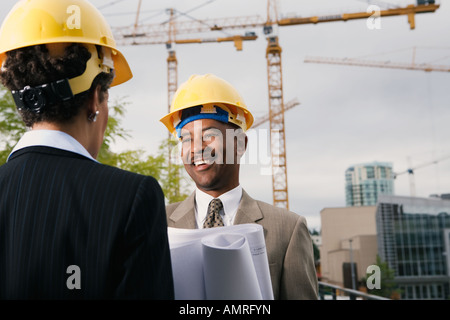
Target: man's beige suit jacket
288, 242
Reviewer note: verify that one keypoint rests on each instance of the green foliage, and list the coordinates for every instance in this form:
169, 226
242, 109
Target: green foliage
388, 287
174, 180
114, 131
315, 232
170, 176
11, 125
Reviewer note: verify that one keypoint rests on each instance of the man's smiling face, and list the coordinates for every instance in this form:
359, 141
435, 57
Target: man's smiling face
204, 154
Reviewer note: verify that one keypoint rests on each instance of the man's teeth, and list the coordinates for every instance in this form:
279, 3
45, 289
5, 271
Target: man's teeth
200, 162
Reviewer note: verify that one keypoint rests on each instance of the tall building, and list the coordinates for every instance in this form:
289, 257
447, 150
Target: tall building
364, 182
414, 239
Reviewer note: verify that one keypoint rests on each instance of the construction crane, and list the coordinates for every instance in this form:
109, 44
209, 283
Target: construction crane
427, 67
275, 82
157, 33
411, 66
410, 171
168, 36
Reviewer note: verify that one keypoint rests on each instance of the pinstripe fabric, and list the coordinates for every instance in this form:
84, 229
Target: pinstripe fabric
58, 208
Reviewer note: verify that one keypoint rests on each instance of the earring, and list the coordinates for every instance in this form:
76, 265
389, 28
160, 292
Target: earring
93, 117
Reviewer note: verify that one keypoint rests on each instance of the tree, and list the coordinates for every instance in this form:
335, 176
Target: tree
170, 176
11, 125
388, 287
316, 250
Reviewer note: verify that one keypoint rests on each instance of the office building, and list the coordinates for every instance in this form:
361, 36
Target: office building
364, 182
348, 236
414, 239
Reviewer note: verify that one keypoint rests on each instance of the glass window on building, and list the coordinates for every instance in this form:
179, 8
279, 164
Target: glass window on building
414, 239
370, 173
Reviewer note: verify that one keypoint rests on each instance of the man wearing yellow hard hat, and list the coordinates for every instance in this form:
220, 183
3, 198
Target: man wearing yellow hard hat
72, 228
203, 111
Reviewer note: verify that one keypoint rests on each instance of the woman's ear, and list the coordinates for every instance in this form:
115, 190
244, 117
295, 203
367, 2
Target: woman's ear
93, 103
98, 96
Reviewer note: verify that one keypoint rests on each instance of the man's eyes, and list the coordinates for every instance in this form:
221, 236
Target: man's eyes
185, 139
206, 136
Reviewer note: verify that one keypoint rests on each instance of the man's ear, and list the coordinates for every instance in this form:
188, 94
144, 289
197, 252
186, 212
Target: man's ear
241, 145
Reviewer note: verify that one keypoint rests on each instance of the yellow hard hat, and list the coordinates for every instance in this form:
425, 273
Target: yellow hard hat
217, 99
35, 22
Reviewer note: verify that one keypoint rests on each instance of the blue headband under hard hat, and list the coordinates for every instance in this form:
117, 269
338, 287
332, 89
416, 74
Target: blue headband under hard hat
201, 112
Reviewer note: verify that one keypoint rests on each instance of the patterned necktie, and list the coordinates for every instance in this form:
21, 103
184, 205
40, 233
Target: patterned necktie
213, 218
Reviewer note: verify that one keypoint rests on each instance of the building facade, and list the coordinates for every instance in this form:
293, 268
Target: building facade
414, 240
348, 237
364, 182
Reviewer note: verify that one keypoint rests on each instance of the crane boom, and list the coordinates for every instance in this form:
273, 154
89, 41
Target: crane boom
259, 121
411, 171
378, 64
422, 165
131, 35
237, 39
409, 10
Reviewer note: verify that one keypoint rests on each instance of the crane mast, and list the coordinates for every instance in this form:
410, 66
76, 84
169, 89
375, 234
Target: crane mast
276, 109
172, 85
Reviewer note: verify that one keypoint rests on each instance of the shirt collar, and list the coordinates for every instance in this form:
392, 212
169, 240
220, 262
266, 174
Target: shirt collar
51, 138
230, 201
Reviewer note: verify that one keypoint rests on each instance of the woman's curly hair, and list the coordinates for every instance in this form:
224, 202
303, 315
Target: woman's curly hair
33, 66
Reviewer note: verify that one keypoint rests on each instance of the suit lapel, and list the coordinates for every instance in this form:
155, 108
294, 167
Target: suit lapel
184, 215
248, 210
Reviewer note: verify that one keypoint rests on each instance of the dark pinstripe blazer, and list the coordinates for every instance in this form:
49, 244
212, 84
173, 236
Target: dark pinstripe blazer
58, 209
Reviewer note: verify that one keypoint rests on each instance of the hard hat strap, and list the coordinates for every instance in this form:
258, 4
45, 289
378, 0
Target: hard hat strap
215, 111
36, 98
196, 113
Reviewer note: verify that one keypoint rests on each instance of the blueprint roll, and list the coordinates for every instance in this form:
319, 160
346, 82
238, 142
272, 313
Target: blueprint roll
197, 265
228, 268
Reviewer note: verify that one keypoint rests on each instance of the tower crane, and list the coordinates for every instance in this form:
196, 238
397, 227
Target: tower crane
275, 84
411, 66
427, 67
167, 34
410, 171
157, 33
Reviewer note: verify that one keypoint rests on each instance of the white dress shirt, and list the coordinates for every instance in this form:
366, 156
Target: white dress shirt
230, 201
51, 138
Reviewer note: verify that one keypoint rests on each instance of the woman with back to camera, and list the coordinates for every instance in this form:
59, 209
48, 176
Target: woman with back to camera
70, 227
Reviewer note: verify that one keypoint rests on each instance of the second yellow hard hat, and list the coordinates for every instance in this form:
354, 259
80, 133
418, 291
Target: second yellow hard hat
207, 90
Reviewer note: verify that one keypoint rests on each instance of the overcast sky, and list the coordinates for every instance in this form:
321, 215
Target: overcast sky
347, 115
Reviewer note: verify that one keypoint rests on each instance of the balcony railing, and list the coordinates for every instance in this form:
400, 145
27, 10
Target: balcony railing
329, 291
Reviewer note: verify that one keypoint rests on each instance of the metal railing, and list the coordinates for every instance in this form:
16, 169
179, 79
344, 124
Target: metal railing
329, 291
